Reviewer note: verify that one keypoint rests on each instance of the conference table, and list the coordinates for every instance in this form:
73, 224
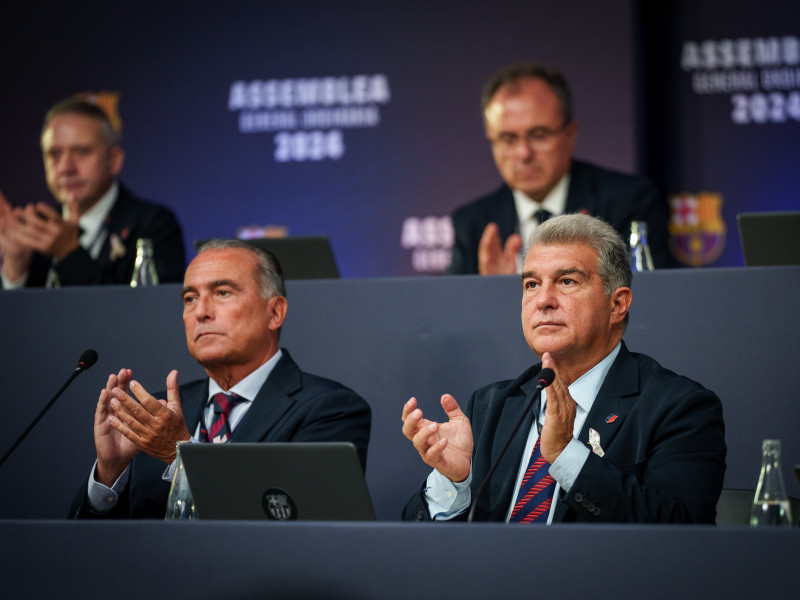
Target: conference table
390, 339
336, 560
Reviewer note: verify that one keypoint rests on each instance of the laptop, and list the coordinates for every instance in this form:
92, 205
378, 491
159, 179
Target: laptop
770, 238
301, 257
318, 481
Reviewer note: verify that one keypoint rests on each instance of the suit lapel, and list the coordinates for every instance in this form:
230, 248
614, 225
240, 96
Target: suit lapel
614, 400
193, 400
117, 223
506, 216
502, 484
272, 402
581, 194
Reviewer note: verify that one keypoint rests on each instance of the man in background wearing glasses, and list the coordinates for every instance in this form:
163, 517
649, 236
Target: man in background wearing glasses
527, 112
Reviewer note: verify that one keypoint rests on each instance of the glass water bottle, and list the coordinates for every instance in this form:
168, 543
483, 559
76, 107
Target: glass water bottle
180, 504
641, 260
771, 504
144, 269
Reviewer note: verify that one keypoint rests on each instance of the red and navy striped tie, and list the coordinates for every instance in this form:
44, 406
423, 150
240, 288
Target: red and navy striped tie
220, 430
535, 492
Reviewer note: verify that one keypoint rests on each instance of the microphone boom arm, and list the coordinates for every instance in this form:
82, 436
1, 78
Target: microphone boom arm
87, 359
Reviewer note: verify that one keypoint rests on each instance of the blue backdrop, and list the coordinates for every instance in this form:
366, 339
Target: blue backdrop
361, 121
723, 107
412, 157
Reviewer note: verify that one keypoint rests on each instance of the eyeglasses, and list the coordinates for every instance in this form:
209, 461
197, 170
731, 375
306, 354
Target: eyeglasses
538, 138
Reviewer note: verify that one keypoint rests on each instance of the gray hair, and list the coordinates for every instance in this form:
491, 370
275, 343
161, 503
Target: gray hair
76, 106
613, 264
270, 273
512, 74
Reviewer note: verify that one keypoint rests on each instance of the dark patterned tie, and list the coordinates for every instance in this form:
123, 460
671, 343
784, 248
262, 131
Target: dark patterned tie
219, 431
541, 215
535, 494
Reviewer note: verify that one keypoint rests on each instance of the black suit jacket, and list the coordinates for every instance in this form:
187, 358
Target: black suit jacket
664, 452
292, 406
615, 197
130, 219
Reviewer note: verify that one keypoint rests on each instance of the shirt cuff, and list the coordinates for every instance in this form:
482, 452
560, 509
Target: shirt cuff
566, 468
13, 285
445, 498
103, 498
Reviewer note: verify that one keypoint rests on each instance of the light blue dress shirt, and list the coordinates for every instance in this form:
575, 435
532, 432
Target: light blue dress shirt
447, 499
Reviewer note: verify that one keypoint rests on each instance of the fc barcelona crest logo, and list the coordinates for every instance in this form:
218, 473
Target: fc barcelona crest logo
278, 505
697, 231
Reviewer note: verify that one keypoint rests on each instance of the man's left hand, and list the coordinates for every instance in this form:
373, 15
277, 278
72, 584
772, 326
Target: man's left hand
155, 426
559, 416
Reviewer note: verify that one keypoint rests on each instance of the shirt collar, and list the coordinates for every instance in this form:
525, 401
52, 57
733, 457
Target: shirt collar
584, 389
555, 202
92, 220
248, 387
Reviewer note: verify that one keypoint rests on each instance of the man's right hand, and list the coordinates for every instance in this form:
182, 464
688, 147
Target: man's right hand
493, 257
44, 229
16, 255
447, 447
114, 450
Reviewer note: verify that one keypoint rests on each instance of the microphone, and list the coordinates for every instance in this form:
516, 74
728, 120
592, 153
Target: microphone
545, 378
87, 359
85, 362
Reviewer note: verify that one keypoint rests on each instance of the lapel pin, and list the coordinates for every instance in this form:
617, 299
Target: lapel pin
118, 249
611, 418
594, 442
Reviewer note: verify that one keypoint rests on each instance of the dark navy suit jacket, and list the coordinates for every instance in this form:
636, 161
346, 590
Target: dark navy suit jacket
130, 219
664, 452
615, 197
292, 406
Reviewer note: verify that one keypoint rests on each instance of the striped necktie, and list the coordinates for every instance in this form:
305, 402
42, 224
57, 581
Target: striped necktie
535, 495
219, 431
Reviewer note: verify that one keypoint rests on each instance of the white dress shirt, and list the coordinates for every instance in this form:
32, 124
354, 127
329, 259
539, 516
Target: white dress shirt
555, 202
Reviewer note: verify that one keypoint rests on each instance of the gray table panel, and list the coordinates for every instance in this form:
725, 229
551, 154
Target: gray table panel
311, 561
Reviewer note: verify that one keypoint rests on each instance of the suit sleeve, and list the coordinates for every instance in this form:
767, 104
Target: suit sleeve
678, 478
82, 509
144, 497
339, 415
464, 259
416, 509
78, 268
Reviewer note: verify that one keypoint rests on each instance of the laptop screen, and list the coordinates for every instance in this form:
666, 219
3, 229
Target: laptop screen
301, 257
770, 239
277, 481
